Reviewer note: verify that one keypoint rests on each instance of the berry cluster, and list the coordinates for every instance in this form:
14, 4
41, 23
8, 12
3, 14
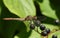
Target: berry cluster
45, 31
34, 22
37, 23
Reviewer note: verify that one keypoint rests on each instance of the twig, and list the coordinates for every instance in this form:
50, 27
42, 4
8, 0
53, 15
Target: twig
21, 19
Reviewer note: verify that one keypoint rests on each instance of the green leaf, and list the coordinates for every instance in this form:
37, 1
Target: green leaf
47, 9
55, 33
21, 8
51, 27
0, 6
33, 34
0, 10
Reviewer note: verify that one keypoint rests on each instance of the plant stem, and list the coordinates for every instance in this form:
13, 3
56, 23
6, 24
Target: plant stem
21, 19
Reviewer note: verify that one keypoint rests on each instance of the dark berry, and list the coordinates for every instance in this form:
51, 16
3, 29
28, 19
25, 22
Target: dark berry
57, 22
37, 22
32, 26
44, 33
47, 30
42, 27
54, 36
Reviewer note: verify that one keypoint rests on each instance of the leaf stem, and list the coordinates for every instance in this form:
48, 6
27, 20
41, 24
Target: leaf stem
21, 19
